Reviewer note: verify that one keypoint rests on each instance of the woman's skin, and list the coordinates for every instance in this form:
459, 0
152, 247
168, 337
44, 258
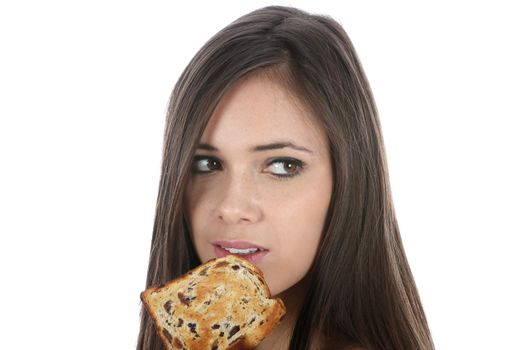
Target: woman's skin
235, 194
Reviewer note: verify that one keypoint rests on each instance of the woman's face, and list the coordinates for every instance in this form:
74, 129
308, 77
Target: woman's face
245, 193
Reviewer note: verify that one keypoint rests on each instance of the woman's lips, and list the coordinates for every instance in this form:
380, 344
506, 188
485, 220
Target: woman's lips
238, 244
253, 257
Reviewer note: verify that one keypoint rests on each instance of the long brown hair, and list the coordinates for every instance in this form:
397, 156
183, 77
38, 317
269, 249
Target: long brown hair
361, 287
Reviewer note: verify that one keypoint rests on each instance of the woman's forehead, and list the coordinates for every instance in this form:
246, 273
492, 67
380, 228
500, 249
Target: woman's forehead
258, 110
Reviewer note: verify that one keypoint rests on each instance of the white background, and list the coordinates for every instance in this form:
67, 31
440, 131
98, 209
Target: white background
83, 92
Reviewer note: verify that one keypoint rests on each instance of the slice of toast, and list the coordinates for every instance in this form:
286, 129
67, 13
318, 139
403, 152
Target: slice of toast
223, 304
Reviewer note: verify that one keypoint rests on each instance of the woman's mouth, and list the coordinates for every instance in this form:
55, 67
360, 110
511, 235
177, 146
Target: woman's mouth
253, 254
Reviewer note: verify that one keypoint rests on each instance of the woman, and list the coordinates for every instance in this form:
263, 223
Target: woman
273, 145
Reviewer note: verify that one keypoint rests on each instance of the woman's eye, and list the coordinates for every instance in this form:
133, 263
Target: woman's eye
203, 165
281, 167
286, 167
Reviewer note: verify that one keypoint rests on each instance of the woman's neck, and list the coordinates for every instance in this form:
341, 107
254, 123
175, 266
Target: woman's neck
279, 338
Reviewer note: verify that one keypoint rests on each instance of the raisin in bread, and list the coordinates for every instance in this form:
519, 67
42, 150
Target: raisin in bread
223, 304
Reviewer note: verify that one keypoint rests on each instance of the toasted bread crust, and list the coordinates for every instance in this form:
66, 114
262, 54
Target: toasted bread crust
223, 304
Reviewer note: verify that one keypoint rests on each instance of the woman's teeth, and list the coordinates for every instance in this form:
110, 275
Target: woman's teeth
241, 251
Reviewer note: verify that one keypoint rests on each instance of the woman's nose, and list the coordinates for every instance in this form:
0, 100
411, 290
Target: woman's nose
239, 202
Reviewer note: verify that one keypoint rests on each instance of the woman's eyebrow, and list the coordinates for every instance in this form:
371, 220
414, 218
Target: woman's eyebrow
260, 148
